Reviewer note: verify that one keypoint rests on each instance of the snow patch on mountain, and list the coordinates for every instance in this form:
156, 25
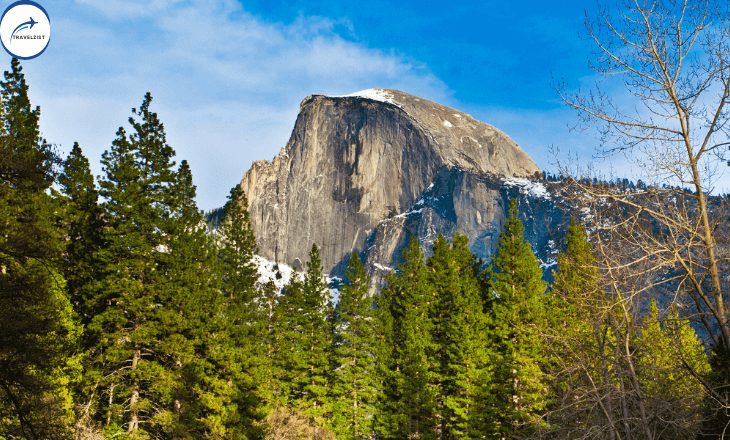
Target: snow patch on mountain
281, 275
528, 187
547, 264
383, 268
374, 94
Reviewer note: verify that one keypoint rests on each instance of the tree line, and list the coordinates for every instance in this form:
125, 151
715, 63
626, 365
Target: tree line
125, 315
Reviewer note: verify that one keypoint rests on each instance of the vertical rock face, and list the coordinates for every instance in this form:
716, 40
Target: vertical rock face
363, 172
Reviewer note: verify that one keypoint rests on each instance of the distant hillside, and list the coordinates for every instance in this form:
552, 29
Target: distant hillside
214, 217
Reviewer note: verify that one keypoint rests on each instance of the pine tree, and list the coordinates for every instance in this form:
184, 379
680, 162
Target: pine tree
595, 370
289, 309
313, 362
354, 391
408, 405
460, 337
189, 319
515, 290
136, 363
303, 361
267, 347
26, 159
581, 339
82, 219
669, 354
238, 248
386, 384
239, 348
716, 420
38, 362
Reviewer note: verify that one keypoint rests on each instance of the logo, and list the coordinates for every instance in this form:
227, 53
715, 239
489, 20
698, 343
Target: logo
25, 29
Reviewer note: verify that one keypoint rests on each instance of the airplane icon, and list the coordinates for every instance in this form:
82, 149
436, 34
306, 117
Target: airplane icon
20, 27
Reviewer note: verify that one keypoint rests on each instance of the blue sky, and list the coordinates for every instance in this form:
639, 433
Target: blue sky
227, 76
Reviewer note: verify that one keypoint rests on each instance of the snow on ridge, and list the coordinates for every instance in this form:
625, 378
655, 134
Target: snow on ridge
374, 94
528, 187
380, 95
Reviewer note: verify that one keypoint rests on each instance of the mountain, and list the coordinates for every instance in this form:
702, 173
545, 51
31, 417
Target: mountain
363, 172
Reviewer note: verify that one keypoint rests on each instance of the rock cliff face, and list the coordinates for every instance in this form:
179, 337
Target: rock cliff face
363, 172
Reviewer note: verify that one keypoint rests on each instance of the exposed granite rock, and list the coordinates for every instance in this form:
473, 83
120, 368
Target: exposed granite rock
352, 162
476, 206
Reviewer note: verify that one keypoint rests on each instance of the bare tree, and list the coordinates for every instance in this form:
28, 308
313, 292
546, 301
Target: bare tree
618, 371
666, 240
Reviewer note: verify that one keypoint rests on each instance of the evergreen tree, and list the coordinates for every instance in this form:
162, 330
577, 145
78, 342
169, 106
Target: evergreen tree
408, 406
385, 382
238, 351
515, 290
82, 220
38, 362
289, 309
460, 335
595, 370
237, 250
580, 338
669, 355
716, 420
303, 361
267, 347
354, 391
313, 363
137, 362
215, 395
26, 159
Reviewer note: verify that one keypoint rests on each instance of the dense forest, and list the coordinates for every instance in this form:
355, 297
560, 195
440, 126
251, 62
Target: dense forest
124, 314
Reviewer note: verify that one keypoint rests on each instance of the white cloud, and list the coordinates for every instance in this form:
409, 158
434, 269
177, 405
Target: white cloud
227, 84
122, 9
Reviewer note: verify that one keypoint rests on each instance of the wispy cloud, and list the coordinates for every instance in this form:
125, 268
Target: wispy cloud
226, 83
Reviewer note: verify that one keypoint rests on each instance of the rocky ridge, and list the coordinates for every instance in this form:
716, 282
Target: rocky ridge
364, 172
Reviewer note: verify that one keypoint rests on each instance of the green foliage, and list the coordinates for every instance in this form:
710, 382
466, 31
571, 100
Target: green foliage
387, 391
137, 359
460, 336
169, 359
38, 361
408, 406
265, 345
81, 218
592, 366
138, 318
26, 159
238, 342
355, 367
303, 359
311, 365
514, 289
717, 420
670, 357
237, 249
